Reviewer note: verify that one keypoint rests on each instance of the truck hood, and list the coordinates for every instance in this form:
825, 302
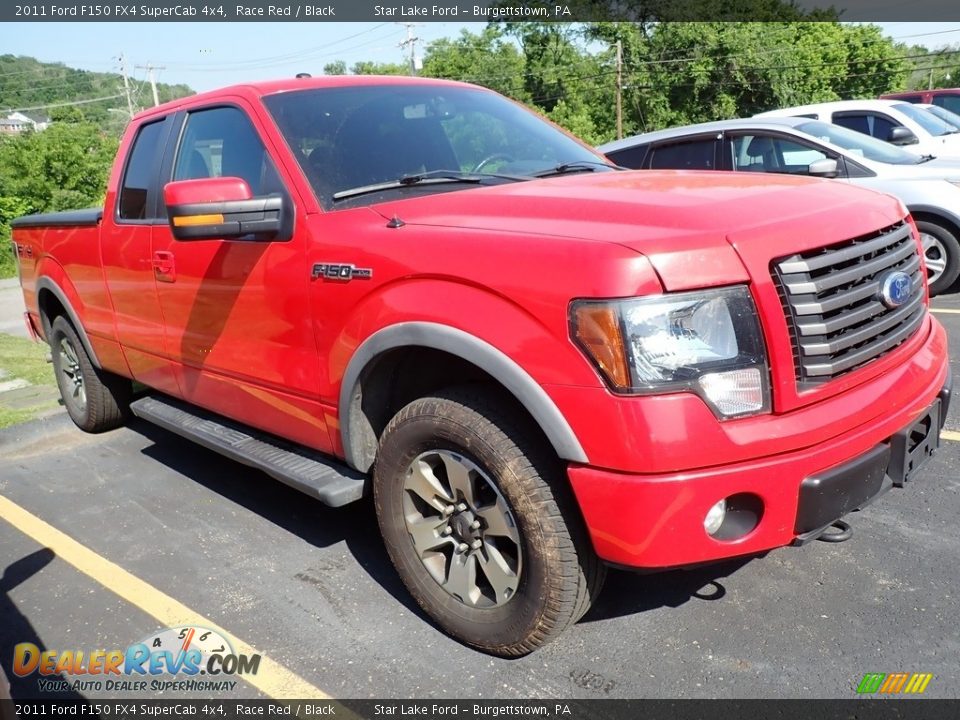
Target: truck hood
685, 223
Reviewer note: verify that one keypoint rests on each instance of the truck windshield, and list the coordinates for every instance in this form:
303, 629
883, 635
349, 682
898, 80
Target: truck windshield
930, 123
859, 144
361, 143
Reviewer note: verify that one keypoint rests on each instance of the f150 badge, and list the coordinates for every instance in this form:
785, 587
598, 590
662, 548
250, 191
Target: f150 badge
340, 271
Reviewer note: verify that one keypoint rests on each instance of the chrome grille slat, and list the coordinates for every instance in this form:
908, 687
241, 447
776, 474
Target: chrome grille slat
864, 334
843, 321
849, 275
831, 300
864, 354
849, 297
828, 259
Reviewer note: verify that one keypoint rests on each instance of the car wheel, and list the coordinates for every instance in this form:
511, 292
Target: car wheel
942, 254
480, 524
95, 400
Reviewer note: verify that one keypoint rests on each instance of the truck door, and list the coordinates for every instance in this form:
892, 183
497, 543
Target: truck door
236, 311
125, 245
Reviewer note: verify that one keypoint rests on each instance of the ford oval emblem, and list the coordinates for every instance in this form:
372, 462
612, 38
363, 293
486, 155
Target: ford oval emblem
895, 289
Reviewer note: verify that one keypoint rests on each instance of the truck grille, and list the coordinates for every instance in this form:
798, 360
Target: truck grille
831, 299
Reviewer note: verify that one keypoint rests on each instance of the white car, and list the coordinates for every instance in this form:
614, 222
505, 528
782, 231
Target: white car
893, 121
930, 188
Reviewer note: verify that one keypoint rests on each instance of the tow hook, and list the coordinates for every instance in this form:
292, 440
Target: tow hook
844, 533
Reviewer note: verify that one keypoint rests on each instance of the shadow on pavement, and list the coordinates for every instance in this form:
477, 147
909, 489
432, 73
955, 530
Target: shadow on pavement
16, 629
625, 593
308, 519
628, 593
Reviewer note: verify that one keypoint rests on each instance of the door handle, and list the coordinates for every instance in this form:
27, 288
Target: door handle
164, 268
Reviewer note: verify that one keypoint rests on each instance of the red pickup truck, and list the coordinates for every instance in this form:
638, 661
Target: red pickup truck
538, 364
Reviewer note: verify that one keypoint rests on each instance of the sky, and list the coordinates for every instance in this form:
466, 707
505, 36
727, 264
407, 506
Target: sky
211, 55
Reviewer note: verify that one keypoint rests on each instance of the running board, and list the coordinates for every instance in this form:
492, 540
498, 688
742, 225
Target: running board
299, 467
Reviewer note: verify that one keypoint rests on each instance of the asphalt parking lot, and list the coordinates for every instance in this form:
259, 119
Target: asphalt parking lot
109, 539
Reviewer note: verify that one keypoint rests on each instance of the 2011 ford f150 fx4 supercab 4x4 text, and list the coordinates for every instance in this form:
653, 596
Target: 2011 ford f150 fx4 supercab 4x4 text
537, 363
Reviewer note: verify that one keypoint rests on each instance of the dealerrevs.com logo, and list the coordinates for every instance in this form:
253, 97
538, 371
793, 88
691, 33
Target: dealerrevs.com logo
173, 659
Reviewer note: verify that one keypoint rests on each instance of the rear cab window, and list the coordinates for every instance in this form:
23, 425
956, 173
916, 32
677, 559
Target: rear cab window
139, 185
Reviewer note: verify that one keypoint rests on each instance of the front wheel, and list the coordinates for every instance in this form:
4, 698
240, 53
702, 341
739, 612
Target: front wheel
488, 546
942, 255
95, 400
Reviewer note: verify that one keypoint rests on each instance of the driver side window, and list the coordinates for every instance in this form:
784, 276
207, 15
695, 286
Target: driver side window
222, 142
766, 153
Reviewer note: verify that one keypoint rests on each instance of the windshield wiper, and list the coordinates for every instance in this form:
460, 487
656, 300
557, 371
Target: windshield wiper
576, 166
430, 177
925, 158
457, 175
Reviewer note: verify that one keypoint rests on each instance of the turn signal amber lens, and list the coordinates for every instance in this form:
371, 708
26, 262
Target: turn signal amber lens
193, 220
597, 330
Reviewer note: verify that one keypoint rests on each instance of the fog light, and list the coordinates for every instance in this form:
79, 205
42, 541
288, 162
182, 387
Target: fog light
714, 518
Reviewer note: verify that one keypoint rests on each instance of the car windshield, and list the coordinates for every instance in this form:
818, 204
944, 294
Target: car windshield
369, 142
858, 143
930, 123
950, 118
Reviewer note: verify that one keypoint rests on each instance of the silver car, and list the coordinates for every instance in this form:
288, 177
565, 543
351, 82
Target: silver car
929, 187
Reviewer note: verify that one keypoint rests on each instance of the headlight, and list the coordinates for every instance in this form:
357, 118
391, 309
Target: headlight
707, 342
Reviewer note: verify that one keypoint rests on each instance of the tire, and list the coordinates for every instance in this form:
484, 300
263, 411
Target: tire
534, 570
95, 399
942, 254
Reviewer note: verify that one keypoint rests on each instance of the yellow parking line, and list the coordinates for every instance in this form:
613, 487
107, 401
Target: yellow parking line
945, 311
272, 679
950, 435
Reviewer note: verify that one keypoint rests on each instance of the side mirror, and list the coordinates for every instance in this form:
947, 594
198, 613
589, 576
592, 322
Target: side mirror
825, 168
900, 135
224, 207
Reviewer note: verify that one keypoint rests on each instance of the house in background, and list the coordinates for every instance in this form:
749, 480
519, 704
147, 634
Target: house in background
18, 122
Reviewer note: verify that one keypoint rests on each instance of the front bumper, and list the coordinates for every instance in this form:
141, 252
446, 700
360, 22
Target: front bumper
656, 521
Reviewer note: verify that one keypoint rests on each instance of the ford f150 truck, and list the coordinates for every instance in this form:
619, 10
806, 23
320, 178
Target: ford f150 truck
538, 364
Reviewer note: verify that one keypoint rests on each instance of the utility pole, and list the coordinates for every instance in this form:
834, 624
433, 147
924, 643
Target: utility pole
619, 90
411, 42
153, 80
126, 83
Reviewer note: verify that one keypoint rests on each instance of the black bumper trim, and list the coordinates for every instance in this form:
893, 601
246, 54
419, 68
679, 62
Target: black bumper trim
830, 495
944, 396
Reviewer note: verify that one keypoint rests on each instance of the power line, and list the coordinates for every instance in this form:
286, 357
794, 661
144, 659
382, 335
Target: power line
67, 104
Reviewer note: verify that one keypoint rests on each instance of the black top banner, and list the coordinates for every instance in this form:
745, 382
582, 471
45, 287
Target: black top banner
489, 709
478, 10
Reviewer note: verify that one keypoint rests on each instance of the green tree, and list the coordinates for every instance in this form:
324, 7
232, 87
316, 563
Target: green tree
486, 58
337, 67
678, 73
64, 167
368, 67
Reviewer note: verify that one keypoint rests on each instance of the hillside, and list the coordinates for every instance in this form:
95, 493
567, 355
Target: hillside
27, 83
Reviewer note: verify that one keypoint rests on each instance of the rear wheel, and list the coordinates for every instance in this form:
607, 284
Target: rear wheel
95, 399
942, 255
487, 545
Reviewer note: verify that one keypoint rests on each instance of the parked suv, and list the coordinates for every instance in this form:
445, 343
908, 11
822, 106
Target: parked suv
899, 123
930, 188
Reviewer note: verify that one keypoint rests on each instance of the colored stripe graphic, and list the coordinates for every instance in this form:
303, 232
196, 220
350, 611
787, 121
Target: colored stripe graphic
918, 683
871, 682
894, 683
